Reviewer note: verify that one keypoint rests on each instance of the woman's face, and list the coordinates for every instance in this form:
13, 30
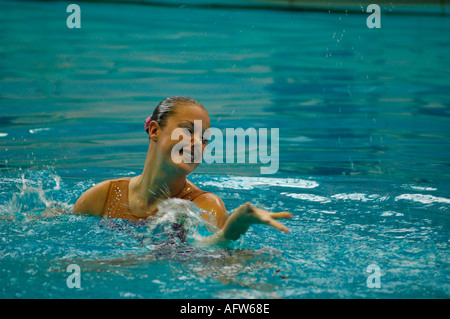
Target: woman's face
181, 141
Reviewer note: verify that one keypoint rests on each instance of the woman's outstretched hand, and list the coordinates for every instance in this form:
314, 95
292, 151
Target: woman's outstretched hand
247, 215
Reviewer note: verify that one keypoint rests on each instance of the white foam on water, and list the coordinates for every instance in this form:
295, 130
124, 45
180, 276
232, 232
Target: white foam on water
422, 198
308, 197
255, 182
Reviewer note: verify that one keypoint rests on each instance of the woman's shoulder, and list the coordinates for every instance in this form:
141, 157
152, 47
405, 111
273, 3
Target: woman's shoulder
93, 200
190, 186
211, 203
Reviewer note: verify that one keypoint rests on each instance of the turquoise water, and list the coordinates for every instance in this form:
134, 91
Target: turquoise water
364, 149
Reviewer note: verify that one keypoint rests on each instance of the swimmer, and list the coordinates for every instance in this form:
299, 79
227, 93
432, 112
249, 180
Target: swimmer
137, 197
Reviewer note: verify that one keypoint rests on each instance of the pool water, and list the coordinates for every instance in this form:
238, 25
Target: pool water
363, 117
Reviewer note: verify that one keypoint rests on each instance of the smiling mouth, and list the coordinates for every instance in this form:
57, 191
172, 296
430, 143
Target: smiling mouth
190, 155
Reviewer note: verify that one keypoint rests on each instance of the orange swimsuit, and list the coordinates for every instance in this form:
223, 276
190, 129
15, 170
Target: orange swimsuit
116, 205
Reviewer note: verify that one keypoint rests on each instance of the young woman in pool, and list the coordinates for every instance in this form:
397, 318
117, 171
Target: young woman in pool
137, 197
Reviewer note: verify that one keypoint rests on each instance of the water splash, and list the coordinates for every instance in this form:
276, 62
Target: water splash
181, 219
42, 194
31, 195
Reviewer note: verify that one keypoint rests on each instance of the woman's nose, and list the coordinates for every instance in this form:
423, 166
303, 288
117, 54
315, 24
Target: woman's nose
196, 140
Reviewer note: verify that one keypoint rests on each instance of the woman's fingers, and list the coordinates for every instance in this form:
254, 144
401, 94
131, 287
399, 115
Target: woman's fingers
278, 226
270, 219
282, 215
261, 216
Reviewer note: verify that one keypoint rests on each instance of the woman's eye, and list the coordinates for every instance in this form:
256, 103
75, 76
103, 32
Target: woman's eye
187, 131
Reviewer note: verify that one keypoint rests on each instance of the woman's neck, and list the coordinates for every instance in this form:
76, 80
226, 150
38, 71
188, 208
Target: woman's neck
156, 182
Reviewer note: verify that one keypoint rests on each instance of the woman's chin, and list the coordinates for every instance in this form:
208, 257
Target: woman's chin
186, 166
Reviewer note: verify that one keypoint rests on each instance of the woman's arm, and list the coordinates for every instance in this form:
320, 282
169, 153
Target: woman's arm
247, 215
232, 227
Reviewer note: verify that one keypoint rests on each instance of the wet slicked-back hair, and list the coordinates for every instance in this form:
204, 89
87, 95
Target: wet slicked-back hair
168, 107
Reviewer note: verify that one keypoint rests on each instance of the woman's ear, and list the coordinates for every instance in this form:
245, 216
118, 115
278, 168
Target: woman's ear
153, 130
